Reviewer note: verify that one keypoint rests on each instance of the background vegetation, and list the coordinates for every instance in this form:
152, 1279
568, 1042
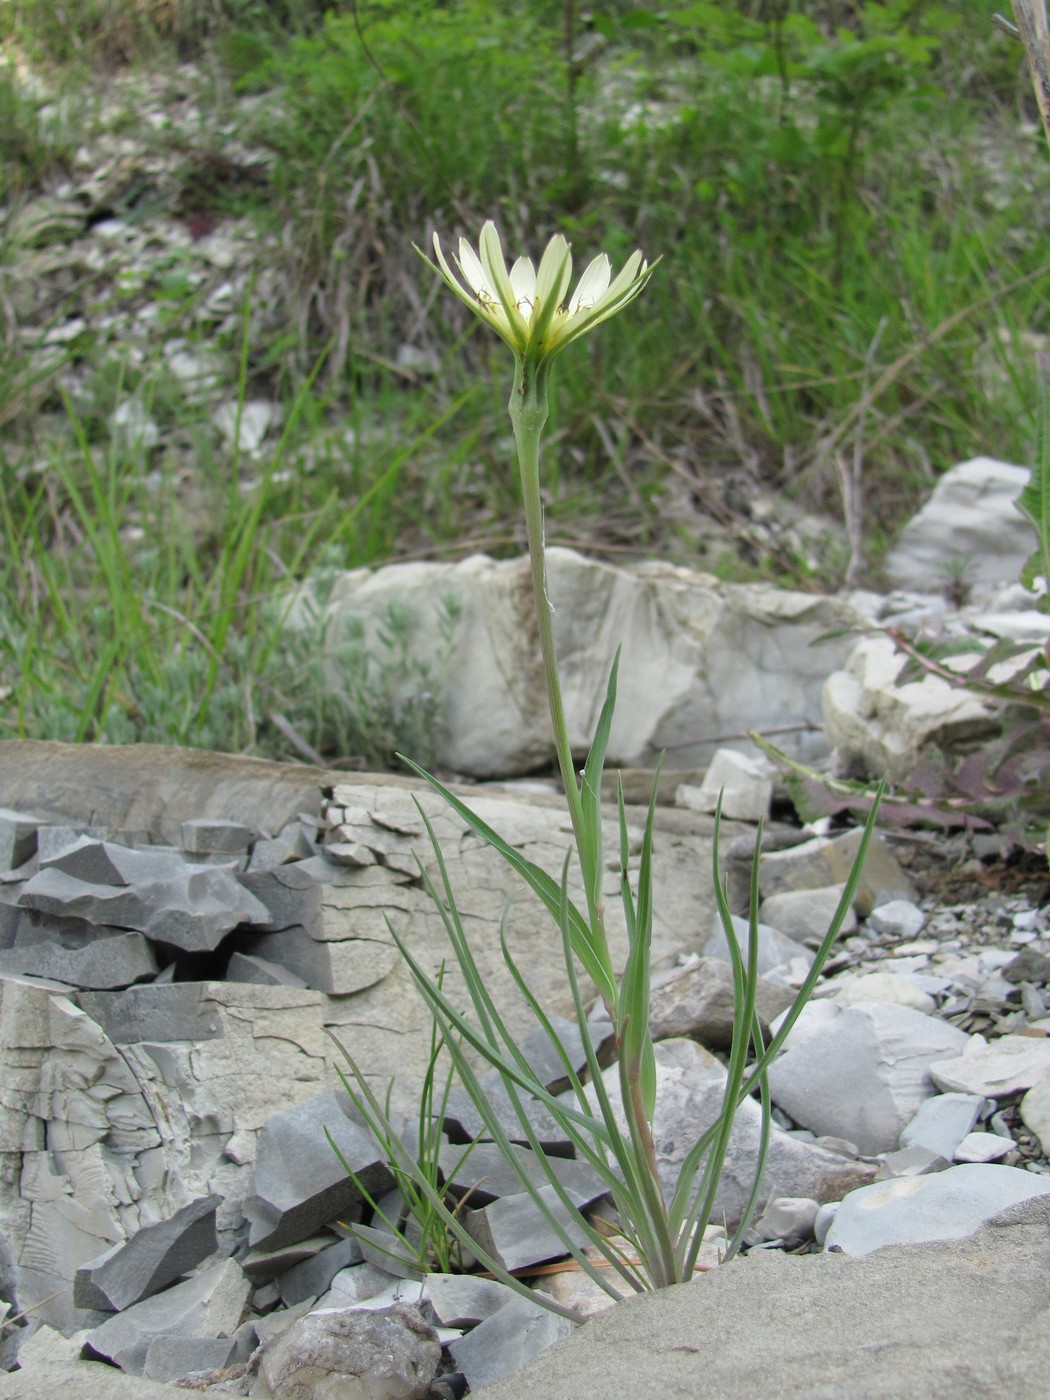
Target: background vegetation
849, 199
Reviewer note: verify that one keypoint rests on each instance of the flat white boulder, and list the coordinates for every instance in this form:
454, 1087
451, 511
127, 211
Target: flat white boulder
942, 1206
700, 658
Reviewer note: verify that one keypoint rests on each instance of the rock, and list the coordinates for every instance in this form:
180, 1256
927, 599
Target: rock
17, 838
107, 962
344, 1355
744, 784
513, 1231
464, 1300
898, 918
87, 1380
154, 1257
545, 1055
313, 1277
943, 1206
300, 1182
205, 836
774, 950
983, 1147
503, 1343
208, 1305
787, 1218
890, 988
864, 1075
997, 1068
881, 727
971, 520
942, 1122
464, 1122
246, 424
690, 1085
191, 907
483, 1174
827, 861
340, 969
46, 1346
696, 1001
730, 657
805, 916
907, 1161
169, 1358
955, 1318
245, 967
1030, 965
1035, 1112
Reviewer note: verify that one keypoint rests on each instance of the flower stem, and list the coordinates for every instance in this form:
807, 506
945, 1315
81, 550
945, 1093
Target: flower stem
528, 413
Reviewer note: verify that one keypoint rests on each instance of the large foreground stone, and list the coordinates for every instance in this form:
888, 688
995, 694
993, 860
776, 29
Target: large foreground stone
960, 1320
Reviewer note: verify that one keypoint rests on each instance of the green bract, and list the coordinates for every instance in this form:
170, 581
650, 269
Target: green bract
527, 308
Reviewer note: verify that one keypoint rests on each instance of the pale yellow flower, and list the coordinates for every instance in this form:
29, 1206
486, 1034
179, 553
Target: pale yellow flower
528, 307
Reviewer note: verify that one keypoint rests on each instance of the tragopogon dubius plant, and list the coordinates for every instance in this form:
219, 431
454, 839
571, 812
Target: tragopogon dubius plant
660, 1223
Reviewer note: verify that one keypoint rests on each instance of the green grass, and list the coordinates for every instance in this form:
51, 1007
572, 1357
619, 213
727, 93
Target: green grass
850, 218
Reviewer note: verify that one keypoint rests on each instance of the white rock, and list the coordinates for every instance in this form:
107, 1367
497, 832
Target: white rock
745, 784
996, 1069
970, 521
864, 1075
787, 1218
899, 918
805, 914
815, 1016
1035, 1112
983, 1147
942, 1122
888, 987
880, 726
249, 427
728, 657
774, 950
943, 1206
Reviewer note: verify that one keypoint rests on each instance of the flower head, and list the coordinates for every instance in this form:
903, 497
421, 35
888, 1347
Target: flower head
528, 307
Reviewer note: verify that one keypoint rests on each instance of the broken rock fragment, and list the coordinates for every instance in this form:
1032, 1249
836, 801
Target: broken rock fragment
154, 1257
300, 1182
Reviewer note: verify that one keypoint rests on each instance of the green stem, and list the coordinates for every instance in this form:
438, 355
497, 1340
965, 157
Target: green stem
528, 413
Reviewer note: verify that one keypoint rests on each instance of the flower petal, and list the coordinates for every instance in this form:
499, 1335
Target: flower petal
470, 265
523, 280
555, 272
593, 285
495, 265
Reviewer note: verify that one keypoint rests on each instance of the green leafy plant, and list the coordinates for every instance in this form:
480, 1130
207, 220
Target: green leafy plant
660, 1224
417, 1237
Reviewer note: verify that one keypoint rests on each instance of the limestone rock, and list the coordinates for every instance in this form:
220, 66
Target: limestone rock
942, 1206
961, 1317
1035, 1111
942, 1122
504, 1342
155, 1256
300, 1182
997, 1068
970, 521
774, 950
696, 1001
744, 784
824, 861
730, 657
208, 1305
805, 916
864, 1075
880, 727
